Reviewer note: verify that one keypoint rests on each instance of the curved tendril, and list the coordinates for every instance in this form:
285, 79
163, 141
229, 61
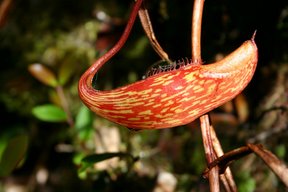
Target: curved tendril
87, 77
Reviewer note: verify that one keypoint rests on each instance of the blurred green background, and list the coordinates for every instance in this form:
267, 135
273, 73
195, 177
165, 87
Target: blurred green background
45, 131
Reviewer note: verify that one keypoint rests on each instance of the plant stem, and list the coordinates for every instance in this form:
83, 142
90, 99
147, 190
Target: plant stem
90, 73
64, 103
147, 26
213, 173
5, 7
196, 30
206, 128
227, 177
273, 162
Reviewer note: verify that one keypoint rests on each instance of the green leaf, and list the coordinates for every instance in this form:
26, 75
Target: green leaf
90, 160
95, 158
83, 118
139, 48
13, 154
246, 182
281, 151
43, 74
66, 71
49, 113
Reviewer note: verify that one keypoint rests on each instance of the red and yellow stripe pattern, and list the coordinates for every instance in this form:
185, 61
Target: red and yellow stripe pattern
172, 98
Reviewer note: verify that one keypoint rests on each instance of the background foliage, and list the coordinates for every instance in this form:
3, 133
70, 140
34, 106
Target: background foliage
46, 131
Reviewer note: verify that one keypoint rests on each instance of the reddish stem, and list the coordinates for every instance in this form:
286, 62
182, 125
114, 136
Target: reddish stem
89, 74
205, 122
213, 173
196, 30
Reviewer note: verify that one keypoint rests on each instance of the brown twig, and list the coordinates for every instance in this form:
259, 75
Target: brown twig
196, 30
147, 26
275, 164
211, 143
205, 123
226, 159
227, 177
213, 173
5, 6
